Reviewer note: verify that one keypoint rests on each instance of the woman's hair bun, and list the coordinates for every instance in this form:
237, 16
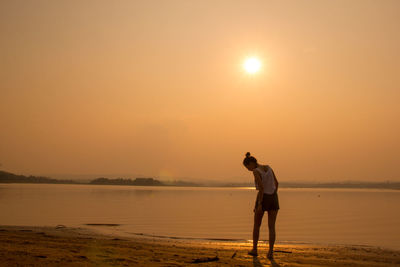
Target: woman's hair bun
248, 159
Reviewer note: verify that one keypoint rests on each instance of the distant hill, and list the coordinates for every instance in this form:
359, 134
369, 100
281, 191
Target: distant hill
7, 177
181, 183
121, 181
361, 185
376, 185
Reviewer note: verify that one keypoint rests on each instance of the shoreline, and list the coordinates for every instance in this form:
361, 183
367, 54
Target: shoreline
55, 246
250, 187
102, 230
393, 187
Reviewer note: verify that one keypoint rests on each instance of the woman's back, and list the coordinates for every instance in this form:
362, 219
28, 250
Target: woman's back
267, 177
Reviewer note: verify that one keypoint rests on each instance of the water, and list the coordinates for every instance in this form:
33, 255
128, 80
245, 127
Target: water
324, 216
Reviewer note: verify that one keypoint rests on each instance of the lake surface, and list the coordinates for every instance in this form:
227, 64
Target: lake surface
325, 216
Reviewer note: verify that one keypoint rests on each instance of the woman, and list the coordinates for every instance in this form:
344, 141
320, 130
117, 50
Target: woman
267, 200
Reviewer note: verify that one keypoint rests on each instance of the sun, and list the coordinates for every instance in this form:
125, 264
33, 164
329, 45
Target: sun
252, 65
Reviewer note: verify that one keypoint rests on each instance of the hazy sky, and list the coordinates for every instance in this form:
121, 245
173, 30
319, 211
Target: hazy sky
157, 88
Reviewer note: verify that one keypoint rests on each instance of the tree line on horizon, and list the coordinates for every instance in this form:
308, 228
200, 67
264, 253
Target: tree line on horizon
7, 177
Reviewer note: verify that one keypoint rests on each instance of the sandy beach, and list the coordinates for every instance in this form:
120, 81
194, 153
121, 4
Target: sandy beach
64, 246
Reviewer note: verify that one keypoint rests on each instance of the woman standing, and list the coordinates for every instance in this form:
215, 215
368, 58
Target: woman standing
267, 200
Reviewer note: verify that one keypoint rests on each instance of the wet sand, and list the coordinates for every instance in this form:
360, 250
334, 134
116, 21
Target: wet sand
49, 246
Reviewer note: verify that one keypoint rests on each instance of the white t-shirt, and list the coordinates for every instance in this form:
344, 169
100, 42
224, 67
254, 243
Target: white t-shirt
267, 178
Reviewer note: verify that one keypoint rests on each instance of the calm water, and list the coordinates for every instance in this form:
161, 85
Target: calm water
345, 216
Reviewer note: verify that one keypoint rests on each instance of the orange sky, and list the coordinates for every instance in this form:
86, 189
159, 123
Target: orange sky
157, 88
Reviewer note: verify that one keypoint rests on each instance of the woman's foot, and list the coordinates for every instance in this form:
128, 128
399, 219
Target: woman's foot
253, 252
270, 255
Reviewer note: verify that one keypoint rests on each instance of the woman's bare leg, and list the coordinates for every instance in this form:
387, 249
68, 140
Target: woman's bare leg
271, 229
258, 215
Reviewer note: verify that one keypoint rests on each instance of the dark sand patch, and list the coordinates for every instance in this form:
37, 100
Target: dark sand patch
102, 224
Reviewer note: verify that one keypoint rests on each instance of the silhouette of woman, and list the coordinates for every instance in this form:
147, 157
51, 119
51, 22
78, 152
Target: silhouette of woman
267, 200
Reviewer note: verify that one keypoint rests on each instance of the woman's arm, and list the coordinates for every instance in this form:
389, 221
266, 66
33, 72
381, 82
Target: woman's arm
260, 186
275, 181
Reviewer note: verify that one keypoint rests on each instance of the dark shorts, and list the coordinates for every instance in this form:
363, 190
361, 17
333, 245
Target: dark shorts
270, 202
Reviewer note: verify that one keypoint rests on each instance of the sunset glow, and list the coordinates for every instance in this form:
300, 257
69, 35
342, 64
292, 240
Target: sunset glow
154, 133
252, 65
177, 90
